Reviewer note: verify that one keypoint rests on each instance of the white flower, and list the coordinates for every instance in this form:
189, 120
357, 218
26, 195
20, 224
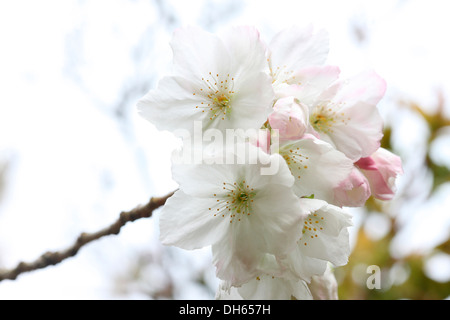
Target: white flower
243, 214
346, 115
317, 167
324, 239
220, 81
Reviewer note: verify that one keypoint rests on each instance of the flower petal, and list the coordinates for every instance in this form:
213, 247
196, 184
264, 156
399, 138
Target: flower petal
353, 191
381, 170
303, 266
367, 87
266, 287
251, 102
307, 84
244, 45
197, 52
240, 161
186, 223
346, 115
296, 48
172, 105
324, 287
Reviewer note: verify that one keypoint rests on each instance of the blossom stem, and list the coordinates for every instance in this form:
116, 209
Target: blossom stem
53, 258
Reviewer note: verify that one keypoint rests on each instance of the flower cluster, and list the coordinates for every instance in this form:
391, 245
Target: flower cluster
270, 202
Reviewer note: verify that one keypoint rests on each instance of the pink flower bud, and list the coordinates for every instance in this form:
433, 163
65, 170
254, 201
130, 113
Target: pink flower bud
290, 117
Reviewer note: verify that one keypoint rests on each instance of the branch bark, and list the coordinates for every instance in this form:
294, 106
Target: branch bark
53, 258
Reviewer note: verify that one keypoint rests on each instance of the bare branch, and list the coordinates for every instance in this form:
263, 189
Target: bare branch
53, 258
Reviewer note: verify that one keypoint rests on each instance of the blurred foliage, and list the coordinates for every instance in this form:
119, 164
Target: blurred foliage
401, 278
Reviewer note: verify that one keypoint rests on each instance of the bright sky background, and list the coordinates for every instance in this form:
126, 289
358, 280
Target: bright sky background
66, 65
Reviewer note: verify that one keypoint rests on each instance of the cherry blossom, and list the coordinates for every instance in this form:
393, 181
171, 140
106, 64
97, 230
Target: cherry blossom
220, 81
325, 239
241, 213
346, 115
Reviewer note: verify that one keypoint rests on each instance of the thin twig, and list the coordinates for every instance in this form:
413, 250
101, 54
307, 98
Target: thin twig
53, 258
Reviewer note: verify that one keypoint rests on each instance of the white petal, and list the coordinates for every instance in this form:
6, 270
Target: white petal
303, 266
240, 162
244, 45
204, 180
172, 105
273, 288
308, 84
224, 292
197, 52
280, 212
324, 287
296, 48
252, 101
271, 170
187, 223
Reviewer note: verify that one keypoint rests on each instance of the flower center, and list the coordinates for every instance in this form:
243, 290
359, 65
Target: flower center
235, 202
222, 101
217, 93
326, 116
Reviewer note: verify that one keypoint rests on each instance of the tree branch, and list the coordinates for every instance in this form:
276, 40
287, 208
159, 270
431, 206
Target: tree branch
53, 258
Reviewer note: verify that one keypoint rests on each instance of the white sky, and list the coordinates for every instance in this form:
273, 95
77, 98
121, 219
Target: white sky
75, 171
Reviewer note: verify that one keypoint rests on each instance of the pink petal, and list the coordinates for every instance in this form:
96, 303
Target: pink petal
290, 118
353, 191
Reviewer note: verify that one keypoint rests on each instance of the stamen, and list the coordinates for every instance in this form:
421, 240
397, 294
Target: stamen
217, 95
309, 233
294, 158
236, 200
326, 116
